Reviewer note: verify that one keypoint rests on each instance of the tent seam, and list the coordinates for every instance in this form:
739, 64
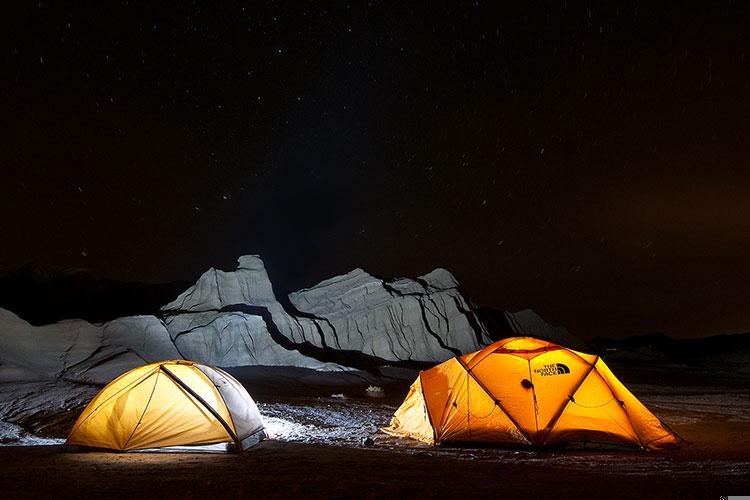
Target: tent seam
427, 409
533, 395
497, 402
622, 406
225, 406
557, 416
200, 400
95, 410
225, 375
153, 389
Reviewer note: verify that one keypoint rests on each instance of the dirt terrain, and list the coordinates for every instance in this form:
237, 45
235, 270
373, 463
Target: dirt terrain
285, 469
329, 445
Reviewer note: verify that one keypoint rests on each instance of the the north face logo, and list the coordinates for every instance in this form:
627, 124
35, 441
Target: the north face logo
552, 369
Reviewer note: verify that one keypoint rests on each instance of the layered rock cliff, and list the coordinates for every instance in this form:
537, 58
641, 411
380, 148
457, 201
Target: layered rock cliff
355, 318
233, 319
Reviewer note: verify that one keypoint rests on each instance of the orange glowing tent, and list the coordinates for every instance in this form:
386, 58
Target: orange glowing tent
169, 404
527, 391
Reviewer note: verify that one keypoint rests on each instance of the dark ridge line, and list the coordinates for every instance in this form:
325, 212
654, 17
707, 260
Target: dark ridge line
294, 312
192, 329
512, 323
91, 355
428, 289
188, 294
218, 288
169, 336
391, 315
79, 381
424, 284
290, 309
320, 334
96, 351
388, 288
351, 358
426, 322
472, 318
116, 355
395, 292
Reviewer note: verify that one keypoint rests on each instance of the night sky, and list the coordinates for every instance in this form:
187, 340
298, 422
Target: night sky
587, 161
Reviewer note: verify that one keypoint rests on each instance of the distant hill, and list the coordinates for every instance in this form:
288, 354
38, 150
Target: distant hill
43, 295
724, 352
502, 324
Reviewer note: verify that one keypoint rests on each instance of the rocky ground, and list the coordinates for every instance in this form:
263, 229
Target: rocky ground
283, 470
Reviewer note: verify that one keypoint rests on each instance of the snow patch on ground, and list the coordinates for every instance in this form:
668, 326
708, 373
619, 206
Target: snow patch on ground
325, 420
13, 435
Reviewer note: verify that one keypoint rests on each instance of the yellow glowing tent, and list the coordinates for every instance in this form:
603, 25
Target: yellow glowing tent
167, 404
527, 391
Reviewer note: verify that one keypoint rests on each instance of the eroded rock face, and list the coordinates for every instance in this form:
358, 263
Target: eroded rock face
72, 349
404, 321
80, 351
216, 289
235, 338
527, 323
146, 335
234, 319
47, 407
424, 320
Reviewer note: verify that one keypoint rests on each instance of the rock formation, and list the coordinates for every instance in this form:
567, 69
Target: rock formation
527, 323
356, 318
422, 320
234, 319
80, 351
72, 349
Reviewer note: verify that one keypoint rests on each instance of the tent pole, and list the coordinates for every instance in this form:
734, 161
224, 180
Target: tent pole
571, 397
496, 401
205, 404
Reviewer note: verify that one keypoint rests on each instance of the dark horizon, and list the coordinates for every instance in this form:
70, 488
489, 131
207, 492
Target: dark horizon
587, 162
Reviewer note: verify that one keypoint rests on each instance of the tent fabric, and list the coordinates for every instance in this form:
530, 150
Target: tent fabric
171, 403
243, 410
528, 391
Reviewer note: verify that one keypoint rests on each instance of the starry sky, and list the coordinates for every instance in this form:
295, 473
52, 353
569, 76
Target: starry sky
587, 160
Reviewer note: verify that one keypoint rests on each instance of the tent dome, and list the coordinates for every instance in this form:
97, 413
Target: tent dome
523, 390
171, 403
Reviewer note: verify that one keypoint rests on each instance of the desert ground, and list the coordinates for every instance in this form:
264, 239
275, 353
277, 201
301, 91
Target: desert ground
325, 442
